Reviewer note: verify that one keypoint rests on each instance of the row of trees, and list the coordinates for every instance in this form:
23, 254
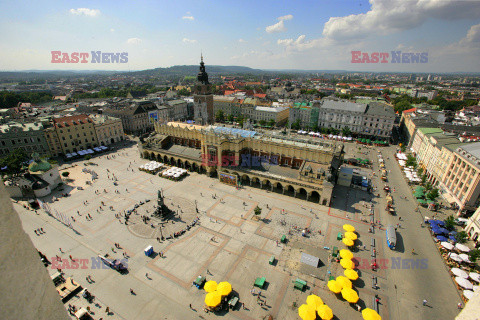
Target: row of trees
220, 117
11, 99
14, 161
404, 102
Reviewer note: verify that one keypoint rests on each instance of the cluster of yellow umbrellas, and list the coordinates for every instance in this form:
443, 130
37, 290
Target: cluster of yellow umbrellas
350, 235
344, 285
215, 292
315, 305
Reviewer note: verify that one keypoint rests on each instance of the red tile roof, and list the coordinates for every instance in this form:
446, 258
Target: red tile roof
410, 110
69, 121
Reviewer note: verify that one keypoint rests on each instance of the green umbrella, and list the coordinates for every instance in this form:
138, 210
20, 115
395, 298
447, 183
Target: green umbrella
369, 141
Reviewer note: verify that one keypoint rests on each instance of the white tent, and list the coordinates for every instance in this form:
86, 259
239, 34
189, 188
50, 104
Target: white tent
459, 273
468, 294
464, 257
455, 257
447, 245
474, 276
462, 247
464, 283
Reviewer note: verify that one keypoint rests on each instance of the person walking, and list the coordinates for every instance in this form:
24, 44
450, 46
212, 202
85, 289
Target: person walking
424, 302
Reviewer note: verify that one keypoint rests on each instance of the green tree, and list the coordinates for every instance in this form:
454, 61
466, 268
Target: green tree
14, 161
433, 194
65, 174
231, 117
461, 237
271, 123
220, 116
411, 161
428, 186
296, 125
183, 92
346, 131
87, 157
474, 255
449, 223
257, 211
262, 122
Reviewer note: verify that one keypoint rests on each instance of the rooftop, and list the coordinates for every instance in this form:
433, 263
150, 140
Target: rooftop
430, 130
343, 105
270, 109
379, 109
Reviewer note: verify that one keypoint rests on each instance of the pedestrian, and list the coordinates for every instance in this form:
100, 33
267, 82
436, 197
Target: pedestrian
107, 310
190, 306
131, 291
424, 302
459, 305
413, 251
146, 274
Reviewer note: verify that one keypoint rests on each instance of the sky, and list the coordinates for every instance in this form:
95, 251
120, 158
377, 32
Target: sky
266, 34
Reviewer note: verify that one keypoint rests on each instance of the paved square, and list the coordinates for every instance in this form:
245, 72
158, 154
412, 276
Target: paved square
227, 243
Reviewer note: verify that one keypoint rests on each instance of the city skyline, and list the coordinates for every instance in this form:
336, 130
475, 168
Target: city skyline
315, 35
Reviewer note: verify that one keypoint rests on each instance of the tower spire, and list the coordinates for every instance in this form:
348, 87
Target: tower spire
201, 56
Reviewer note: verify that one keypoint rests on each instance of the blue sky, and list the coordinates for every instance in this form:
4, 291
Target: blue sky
260, 34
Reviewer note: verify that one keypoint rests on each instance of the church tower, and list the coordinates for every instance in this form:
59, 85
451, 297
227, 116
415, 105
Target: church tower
203, 97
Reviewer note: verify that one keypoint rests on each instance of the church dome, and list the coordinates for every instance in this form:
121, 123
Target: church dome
39, 166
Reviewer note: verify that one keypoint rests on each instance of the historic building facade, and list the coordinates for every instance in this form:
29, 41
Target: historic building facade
293, 167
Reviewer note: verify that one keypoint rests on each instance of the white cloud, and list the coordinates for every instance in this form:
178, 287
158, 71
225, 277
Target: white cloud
85, 12
134, 41
188, 16
388, 16
300, 44
280, 25
241, 40
185, 40
287, 17
277, 27
112, 30
472, 39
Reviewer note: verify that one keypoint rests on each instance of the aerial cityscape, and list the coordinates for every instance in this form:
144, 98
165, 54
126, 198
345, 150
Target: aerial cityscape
240, 160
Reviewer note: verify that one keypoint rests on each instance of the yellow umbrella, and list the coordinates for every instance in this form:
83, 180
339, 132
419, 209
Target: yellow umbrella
351, 235
350, 295
347, 264
344, 282
325, 312
345, 253
334, 286
224, 288
369, 314
351, 274
347, 242
213, 299
210, 286
314, 301
348, 227
306, 312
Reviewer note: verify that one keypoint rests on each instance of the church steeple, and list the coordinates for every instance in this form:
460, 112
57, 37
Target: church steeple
202, 74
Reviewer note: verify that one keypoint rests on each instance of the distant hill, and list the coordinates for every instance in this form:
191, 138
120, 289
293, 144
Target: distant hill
192, 70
